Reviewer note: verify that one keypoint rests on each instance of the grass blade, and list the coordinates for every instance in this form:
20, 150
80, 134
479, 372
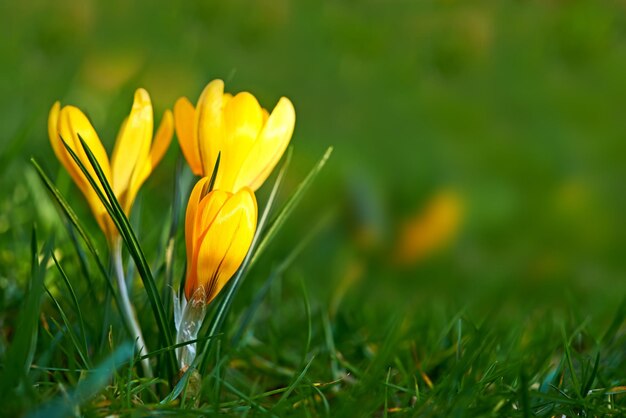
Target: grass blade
170, 241
592, 377
83, 262
246, 398
309, 320
570, 364
282, 216
79, 313
68, 326
20, 353
73, 219
524, 393
618, 320
295, 383
386, 405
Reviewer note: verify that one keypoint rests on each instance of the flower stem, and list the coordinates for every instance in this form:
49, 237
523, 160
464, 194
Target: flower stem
127, 308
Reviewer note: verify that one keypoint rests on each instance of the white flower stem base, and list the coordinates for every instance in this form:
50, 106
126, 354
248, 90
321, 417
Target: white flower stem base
127, 308
188, 316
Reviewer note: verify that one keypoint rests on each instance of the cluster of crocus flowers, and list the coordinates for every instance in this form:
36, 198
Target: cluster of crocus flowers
221, 216
250, 141
134, 157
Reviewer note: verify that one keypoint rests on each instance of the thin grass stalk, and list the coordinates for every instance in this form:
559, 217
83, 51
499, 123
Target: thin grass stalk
79, 313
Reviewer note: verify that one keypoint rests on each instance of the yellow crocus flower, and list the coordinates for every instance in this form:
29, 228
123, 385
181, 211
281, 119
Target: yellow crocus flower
134, 157
219, 227
250, 140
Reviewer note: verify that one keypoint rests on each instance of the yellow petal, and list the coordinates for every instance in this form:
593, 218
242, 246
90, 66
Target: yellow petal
53, 132
132, 147
72, 123
71, 167
226, 242
266, 115
184, 114
268, 147
161, 142
205, 213
209, 124
190, 222
243, 120
226, 98
197, 193
58, 147
201, 210
208, 209
162, 139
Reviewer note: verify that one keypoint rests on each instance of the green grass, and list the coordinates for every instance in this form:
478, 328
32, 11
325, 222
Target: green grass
286, 355
516, 106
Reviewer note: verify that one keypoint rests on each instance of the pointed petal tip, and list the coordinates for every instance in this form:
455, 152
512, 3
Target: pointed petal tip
216, 82
182, 101
168, 117
214, 87
287, 105
286, 100
141, 94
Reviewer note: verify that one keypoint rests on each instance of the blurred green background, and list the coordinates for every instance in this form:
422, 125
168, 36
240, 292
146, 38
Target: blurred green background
515, 109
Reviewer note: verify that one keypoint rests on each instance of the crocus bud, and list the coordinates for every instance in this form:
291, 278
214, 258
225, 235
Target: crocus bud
219, 227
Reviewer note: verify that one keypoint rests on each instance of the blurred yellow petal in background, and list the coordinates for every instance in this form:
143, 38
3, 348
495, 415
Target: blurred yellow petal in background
430, 229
